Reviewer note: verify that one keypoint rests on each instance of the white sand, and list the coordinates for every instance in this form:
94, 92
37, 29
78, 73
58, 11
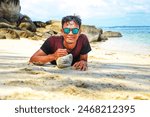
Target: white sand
113, 74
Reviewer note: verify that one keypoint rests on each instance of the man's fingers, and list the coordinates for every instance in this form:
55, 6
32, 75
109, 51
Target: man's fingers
84, 68
80, 65
61, 52
76, 65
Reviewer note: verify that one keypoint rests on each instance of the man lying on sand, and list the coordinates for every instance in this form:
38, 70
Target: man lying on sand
70, 42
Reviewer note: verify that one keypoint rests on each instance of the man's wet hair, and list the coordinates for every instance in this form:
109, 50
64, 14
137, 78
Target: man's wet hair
71, 18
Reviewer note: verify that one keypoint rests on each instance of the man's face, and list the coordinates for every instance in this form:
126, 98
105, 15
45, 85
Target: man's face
70, 38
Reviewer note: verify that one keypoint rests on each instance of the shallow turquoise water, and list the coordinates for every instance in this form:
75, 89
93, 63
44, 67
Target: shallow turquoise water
135, 38
134, 34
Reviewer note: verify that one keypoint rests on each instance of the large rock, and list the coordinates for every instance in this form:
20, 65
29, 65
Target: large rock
25, 23
24, 33
10, 14
36, 37
4, 20
2, 36
39, 24
54, 25
44, 32
64, 61
10, 10
7, 25
9, 33
91, 32
102, 38
46, 35
112, 34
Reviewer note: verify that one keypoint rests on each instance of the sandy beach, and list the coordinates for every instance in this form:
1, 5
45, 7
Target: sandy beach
113, 74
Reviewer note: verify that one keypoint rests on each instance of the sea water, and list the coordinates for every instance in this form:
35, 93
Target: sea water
134, 39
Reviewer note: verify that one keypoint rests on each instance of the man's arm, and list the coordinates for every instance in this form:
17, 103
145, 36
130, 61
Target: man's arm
40, 57
82, 64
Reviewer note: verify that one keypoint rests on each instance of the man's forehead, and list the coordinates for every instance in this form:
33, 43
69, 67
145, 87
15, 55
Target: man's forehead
71, 24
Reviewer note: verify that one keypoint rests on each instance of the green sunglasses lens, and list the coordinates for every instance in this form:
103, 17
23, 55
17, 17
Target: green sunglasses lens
75, 30
66, 30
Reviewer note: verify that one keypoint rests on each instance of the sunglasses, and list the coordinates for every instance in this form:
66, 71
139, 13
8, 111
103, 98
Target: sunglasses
74, 30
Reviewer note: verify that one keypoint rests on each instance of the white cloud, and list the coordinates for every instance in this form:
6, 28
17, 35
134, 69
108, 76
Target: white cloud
36, 8
44, 9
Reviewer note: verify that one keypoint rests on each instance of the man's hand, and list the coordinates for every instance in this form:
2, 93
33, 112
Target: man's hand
81, 65
60, 53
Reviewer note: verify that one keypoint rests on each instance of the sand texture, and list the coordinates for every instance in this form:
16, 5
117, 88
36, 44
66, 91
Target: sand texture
111, 75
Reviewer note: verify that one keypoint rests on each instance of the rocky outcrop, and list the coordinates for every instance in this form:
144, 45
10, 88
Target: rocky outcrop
2, 36
15, 25
54, 25
9, 33
12, 32
24, 33
112, 34
9, 10
92, 32
43, 30
25, 23
10, 14
39, 24
6, 25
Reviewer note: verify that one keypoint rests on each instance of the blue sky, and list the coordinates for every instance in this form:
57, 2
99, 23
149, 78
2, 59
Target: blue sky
92, 12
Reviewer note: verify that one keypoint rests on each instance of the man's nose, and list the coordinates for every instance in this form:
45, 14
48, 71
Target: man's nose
70, 32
